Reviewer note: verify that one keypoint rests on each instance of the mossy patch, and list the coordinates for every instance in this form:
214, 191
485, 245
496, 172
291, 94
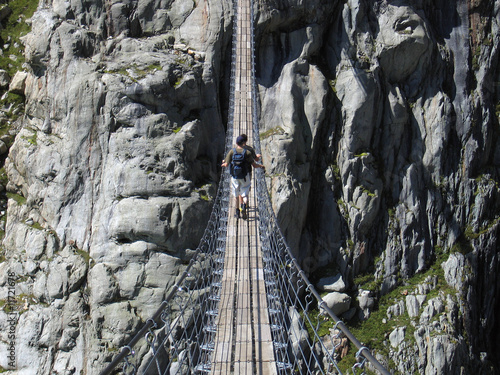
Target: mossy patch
336, 171
136, 72
367, 191
273, 131
362, 154
36, 226
85, 255
19, 199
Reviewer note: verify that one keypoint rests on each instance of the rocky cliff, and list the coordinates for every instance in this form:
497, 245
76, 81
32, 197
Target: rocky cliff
379, 126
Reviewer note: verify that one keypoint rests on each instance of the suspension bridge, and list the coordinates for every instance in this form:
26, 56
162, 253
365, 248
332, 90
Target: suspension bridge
243, 305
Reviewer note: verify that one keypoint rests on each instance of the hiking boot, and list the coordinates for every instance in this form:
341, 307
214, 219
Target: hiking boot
243, 210
237, 213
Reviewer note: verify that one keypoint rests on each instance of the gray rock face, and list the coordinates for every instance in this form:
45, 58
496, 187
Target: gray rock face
454, 269
121, 131
413, 304
18, 83
402, 160
397, 336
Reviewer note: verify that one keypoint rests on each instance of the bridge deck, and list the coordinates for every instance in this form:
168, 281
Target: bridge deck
243, 343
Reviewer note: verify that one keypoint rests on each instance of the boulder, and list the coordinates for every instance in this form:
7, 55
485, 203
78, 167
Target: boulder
4, 79
339, 303
454, 269
331, 284
366, 303
397, 336
17, 85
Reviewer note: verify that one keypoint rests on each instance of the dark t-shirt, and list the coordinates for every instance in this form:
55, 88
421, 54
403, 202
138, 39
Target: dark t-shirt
254, 154
250, 148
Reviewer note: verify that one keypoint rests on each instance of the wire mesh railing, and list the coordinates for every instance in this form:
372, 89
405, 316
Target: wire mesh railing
179, 336
308, 338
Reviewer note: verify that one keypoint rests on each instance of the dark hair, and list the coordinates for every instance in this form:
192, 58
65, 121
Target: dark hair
244, 137
240, 140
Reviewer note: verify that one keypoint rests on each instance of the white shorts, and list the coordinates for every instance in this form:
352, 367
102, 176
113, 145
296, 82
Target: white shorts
241, 186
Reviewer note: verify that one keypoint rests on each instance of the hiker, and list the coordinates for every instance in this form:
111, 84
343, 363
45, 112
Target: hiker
240, 161
255, 156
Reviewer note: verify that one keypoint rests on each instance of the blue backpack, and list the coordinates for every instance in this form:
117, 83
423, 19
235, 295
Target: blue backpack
239, 166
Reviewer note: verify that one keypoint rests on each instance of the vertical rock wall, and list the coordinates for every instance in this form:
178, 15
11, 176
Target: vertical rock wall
384, 151
113, 171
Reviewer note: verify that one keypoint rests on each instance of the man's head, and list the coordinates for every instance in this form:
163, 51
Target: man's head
241, 140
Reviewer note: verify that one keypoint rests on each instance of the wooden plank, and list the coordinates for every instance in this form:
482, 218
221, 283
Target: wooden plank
243, 368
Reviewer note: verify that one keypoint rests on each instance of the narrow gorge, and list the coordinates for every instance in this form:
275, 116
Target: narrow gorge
379, 125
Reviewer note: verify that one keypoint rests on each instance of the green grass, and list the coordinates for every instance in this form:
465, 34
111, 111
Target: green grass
374, 331
21, 9
32, 140
20, 200
15, 103
317, 323
12, 98
367, 282
4, 179
471, 234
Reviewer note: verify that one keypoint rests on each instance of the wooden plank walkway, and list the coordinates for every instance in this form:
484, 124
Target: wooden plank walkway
243, 343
